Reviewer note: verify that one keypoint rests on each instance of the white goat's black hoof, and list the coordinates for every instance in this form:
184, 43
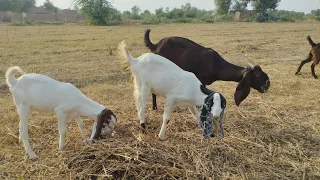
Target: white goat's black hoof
144, 126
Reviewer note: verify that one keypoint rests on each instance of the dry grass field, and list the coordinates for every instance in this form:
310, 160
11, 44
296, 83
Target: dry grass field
270, 136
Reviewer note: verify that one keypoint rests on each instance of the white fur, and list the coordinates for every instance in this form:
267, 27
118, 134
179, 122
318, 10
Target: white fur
156, 74
44, 94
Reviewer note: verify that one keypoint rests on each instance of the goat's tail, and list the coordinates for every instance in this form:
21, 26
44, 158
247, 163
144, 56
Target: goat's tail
311, 42
124, 53
147, 41
11, 72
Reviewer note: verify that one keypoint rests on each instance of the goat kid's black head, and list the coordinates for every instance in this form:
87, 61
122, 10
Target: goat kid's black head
105, 123
252, 77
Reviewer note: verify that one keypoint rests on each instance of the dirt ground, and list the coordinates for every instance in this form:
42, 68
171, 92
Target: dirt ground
270, 136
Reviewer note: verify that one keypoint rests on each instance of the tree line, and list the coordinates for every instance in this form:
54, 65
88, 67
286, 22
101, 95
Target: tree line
101, 12
24, 5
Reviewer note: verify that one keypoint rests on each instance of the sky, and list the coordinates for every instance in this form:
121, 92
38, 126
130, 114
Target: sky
123, 5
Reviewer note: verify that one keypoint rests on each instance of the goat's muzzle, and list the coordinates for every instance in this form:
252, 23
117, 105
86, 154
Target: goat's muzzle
265, 87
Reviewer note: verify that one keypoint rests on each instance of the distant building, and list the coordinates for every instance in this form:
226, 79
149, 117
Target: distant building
7, 16
237, 15
39, 14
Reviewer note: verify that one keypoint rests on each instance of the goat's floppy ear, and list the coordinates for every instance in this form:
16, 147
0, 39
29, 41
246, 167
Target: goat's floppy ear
99, 126
102, 120
243, 88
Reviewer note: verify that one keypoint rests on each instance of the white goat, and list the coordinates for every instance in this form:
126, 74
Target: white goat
44, 94
156, 74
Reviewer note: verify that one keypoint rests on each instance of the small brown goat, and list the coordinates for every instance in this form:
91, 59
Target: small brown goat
314, 56
208, 65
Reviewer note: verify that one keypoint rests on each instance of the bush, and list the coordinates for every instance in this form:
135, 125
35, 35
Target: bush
208, 18
20, 23
222, 18
183, 20
114, 17
317, 18
150, 19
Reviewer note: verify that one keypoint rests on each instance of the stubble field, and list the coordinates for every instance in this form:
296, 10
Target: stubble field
270, 136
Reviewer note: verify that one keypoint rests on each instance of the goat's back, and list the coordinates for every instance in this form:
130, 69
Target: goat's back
38, 90
162, 75
192, 57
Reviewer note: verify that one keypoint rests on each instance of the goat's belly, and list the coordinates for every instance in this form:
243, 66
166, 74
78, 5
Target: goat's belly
44, 105
43, 108
185, 104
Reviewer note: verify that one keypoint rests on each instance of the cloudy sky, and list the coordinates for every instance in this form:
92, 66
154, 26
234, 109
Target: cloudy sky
122, 5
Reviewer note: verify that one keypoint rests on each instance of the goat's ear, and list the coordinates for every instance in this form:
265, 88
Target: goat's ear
257, 71
98, 127
101, 120
243, 88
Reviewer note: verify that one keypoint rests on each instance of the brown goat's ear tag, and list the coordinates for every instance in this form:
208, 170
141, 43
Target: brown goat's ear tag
243, 88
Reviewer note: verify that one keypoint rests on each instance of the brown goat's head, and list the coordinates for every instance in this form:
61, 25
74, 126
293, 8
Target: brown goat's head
252, 77
105, 123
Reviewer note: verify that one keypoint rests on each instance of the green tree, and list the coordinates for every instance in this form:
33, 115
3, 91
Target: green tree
240, 5
160, 12
16, 5
145, 13
126, 14
135, 10
262, 6
48, 5
222, 6
96, 11
5, 5
316, 12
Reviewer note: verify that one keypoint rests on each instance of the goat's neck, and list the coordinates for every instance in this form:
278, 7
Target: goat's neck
230, 72
89, 108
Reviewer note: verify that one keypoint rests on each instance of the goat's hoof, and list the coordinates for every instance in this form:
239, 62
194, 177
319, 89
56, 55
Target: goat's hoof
316, 77
144, 125
32, 156
61, 148
155, 108
162, 137
296, 73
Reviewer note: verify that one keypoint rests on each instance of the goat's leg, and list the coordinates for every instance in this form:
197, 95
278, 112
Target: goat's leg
154, 102
312, 71
62, 118
23, 110
303, 62
81, 127
143, 97
195, 113
166, 117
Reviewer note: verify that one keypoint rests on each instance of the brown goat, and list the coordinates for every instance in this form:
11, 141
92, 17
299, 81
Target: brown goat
208, 65
314, 56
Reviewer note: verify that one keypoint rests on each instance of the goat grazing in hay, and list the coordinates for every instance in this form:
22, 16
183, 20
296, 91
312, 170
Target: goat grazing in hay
208, 65
314, 56
156, 74
44, 94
